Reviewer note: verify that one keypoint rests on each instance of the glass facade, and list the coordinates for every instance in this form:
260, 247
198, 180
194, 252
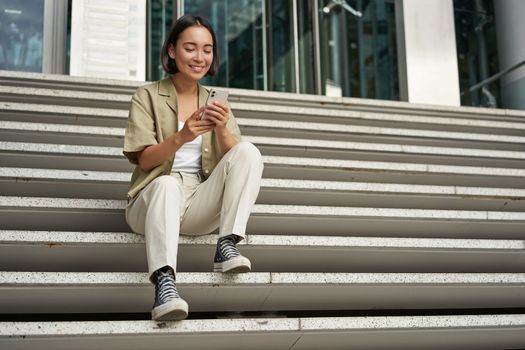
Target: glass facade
273, 45
359, 54
302, 46
477, 51
281, 55
238, 25
306, 46
21, 28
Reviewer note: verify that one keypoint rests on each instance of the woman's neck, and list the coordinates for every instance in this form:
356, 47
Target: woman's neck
183, 86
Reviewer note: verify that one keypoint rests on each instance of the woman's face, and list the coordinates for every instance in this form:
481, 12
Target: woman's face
193, 52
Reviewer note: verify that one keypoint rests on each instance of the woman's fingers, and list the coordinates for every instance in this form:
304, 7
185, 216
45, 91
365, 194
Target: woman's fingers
198, 127
211, 113
219, 118
217, 107
221, 106
199, 123
194, 127
197, 114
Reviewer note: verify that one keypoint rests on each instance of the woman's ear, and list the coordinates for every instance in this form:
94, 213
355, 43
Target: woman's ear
171, 51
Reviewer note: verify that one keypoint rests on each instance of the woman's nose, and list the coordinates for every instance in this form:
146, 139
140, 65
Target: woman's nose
198, 56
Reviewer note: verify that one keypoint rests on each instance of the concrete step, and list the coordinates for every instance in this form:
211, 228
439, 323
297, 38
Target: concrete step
469, 332
55, 114
114, 185
304, 109
44, 213
285, 146
333, 131
60, 81
107, 292
45, 113
64, 97
125, 251
51, 81
20, 154
417, 119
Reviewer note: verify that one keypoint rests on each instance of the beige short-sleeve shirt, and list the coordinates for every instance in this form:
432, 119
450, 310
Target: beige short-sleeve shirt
153, 118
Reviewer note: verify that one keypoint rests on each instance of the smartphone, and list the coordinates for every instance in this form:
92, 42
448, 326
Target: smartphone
216, 95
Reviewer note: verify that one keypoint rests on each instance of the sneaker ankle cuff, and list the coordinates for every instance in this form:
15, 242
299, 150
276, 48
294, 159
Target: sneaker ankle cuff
235, 237
164, 269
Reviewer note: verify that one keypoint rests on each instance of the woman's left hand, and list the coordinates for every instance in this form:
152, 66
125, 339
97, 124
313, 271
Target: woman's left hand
218, 113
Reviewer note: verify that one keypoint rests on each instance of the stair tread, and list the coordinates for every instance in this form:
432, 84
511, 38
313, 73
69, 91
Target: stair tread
50, 213
76, 111
7, 146
68, 129
94, 292
312, 242
110, 204
315, 108
393, 332
125, 251
57, 175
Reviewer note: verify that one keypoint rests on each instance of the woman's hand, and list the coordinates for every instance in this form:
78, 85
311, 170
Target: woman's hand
218, 113
195, 126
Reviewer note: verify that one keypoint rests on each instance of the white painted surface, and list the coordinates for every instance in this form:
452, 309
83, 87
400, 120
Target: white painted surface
108, 39
510, 27
430, 52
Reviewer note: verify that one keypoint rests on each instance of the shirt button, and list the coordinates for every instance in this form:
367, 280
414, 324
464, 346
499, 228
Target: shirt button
206, 171
206, 150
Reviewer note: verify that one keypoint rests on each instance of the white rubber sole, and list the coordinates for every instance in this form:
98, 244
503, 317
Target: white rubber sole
173, 310
238, 264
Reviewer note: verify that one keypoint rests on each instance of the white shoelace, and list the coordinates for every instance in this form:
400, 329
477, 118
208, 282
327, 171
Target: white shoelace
167, 289
227, 248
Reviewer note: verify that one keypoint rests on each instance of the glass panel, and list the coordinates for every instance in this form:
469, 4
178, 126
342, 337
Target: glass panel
359, 54
238, 27
68, 37
306, 47
21, 33
477, 51
160, 19
281, 46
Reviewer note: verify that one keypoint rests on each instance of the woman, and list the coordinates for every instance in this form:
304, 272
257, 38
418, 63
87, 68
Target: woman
192, 175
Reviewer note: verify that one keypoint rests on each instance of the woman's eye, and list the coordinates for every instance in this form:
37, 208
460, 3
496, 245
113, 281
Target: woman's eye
190, 50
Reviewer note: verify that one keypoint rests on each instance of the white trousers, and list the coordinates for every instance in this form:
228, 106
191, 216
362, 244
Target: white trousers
182, 203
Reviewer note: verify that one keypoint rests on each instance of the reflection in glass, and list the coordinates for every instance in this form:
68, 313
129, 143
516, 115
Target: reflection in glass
160, 17
21, 33
477, 51
238, 27
359, 54
305, 31
281, 75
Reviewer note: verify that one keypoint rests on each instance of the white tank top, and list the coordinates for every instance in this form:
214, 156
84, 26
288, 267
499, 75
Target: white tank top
188, 157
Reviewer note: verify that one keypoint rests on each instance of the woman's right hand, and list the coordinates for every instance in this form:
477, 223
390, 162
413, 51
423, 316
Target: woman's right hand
195, 126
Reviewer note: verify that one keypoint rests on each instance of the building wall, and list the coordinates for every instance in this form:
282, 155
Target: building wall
511, 48
428, 56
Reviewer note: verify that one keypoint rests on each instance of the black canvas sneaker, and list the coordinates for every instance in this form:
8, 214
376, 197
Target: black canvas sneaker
228, 258
169, 306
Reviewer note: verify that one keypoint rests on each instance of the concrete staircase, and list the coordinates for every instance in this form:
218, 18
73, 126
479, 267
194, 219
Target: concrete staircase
380, 225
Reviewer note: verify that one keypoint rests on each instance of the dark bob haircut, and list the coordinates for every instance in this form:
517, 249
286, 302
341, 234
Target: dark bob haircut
179, 26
